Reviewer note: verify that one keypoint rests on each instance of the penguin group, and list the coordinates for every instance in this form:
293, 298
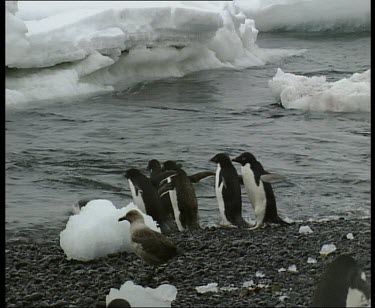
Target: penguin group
168, 194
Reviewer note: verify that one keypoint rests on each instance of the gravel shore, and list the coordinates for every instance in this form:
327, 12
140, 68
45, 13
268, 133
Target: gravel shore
39, 275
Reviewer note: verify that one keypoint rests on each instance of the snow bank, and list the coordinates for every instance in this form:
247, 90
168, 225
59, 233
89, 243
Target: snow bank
96, 232
79, 49
315, 93
138, 296
308, 15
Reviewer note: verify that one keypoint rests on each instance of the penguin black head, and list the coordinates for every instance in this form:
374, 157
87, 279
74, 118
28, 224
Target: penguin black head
342, 285
132, 173
153, 164
118, 303
171, 165
222, 159
245, 158
131, 216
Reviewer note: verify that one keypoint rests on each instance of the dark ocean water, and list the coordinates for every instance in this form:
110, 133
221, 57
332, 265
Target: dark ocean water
59, 153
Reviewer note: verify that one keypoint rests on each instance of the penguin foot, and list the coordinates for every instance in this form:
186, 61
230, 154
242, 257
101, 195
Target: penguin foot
255, 227
228, 226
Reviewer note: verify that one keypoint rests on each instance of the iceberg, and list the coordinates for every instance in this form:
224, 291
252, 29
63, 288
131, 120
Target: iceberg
79, 49
315, 93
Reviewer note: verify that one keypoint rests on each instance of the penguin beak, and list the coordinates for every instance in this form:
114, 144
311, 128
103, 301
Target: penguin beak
213, 159
237, 159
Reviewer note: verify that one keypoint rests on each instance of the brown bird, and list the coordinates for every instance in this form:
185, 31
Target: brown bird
151, 246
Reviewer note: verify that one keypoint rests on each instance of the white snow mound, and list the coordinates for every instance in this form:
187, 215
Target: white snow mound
96, 232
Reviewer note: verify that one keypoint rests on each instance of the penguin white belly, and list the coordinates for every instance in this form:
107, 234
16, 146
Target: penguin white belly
137, 198
356, 298
176, 210
219, 196
255, 193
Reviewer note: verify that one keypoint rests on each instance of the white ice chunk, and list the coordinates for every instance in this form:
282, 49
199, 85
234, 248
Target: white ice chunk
315, 93
292, 268
138, 296
311, 260
305, 230
259, 274
248, 284
327, 249
282, 269
96, 232
211, 287
350, 236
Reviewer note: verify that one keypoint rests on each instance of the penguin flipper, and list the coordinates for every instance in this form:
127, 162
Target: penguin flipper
161, 177
138, 189
272, 178
195, 178
222, 182
165, 188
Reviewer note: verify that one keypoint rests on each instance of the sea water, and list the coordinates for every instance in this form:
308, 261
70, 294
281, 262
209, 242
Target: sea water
60, 152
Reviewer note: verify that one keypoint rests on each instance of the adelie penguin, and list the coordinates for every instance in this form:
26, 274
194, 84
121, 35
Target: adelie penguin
259, 190
183, 198
146, 198
167, 190
228, 191
343, 284
155, 168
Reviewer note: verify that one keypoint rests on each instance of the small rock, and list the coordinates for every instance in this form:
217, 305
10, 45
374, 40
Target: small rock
33, 297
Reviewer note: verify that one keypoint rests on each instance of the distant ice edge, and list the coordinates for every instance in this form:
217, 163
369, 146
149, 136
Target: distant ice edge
85, 51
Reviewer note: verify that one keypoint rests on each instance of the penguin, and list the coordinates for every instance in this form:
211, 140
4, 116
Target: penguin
146, 197
228, 191
167, 191
343, 284
183, 198
259, 190
151, 246
155, 168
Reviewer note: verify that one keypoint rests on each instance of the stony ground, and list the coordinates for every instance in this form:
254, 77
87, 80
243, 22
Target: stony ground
38, 274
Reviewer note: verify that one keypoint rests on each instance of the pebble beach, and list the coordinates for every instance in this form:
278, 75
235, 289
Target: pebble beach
39, 275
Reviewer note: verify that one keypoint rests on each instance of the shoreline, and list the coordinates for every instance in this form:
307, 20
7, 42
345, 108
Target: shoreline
39, 275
